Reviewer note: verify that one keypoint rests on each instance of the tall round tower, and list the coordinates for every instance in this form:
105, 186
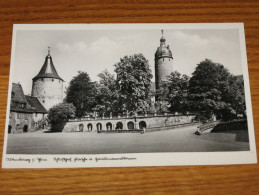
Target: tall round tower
47, 86
163, 63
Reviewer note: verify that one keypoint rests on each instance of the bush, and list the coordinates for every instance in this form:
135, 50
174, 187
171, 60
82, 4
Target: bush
61, 113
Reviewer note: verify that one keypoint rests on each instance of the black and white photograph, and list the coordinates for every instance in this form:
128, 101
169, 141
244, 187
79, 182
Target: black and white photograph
111, 95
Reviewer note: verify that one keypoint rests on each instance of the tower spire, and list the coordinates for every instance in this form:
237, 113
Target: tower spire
48, 69
162, 40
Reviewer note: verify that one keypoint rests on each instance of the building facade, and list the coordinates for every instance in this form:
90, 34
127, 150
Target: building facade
47, 85
23, 110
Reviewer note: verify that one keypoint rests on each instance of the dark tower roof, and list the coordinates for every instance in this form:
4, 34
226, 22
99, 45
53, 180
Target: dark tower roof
163, 51
48, 69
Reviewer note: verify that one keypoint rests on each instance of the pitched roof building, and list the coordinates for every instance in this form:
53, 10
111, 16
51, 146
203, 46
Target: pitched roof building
24, 103
18, 100
25, 111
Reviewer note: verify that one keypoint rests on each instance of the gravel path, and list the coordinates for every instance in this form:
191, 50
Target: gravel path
175, 140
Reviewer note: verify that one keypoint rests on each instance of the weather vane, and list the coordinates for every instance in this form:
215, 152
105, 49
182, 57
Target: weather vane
162, 32
48, 50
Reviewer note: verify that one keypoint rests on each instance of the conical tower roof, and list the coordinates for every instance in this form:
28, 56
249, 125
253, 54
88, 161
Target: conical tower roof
48, 69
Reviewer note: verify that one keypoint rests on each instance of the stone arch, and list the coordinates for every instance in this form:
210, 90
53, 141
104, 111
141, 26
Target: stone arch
81, 127
109, 126
130, 125
90, 127
142, 125
9, 129
25, 128
99, 126
119, 126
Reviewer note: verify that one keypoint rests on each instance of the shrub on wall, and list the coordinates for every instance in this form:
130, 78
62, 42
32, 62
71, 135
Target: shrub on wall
61, 113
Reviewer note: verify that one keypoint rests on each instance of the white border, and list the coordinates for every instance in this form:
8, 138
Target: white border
142, 159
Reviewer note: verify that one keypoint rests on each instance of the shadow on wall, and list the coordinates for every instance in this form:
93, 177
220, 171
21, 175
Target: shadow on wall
239, 128
58, 127
230, 127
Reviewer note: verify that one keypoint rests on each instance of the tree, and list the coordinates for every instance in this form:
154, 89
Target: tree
61, 112
211, 91
161, 106
133, 83
81, 92
42, 123
106, 93
177, 95
235, 95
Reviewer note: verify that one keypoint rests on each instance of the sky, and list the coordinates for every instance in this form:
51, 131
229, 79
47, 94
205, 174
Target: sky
93, 51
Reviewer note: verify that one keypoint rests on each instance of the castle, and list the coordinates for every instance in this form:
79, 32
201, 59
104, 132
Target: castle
27, 112
47, 91
47, 85
163, 63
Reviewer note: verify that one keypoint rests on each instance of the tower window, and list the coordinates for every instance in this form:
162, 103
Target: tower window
43, 101
42, 79
52, 80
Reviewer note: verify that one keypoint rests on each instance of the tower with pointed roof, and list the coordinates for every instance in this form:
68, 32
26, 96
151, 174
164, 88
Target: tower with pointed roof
163, 63
47, 85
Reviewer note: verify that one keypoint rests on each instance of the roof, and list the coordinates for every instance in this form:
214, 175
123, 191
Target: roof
24, 103
163, 50
18, 100
17, 93
48, 70
35, 104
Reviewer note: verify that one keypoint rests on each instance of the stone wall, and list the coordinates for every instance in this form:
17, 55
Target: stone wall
125, 123
163, 68
20, 122
49, 91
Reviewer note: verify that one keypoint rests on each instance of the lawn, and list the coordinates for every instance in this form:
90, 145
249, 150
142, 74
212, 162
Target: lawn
175, 140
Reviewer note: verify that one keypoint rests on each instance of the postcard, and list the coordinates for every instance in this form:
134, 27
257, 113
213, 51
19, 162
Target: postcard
123, 95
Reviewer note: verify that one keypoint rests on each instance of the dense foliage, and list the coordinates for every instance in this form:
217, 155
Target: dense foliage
82, 93
133, 83
214, 91
61, 112
106, 98
211, 91
177, 96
